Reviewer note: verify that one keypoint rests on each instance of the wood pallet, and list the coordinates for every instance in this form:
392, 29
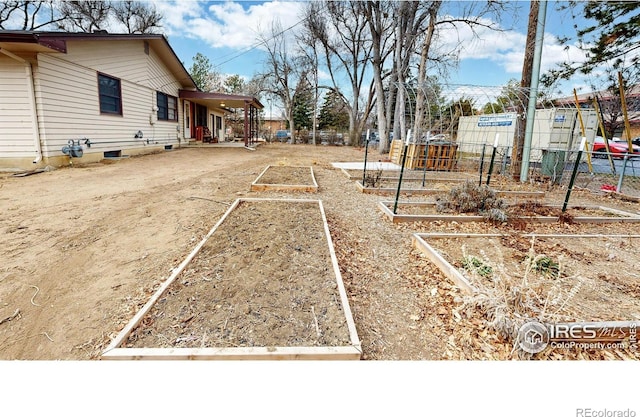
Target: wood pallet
439, 157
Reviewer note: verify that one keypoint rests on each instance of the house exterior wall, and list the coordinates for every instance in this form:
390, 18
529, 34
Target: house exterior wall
66, 93
68, 98
16, 115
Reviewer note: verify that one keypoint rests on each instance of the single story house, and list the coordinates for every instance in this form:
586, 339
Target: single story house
87, 96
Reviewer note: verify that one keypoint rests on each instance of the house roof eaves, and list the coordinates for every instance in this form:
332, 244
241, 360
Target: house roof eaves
57, 41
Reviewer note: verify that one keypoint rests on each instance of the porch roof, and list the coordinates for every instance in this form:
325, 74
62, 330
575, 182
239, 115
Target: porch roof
220, 100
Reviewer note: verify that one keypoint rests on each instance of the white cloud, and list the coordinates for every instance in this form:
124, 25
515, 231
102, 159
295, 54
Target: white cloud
178, 13
226, 24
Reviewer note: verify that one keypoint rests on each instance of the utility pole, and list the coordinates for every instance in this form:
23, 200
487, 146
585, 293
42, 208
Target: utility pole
533, 92
525, 83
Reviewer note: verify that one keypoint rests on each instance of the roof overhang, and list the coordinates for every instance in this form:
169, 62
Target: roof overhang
220, 100
25, 42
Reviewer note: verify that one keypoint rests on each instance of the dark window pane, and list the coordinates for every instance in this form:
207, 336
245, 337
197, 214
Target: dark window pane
110, 94
172, 108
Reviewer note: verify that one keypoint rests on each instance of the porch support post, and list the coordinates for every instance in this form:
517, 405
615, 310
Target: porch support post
246, 123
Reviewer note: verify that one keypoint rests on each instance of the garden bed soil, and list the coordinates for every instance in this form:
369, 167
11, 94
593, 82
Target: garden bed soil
262, 279
409, 175
389, 187
518, 213
514, 279
286, 178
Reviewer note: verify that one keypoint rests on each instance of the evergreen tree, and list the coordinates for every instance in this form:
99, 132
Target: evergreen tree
303, 108
333, 113
200, 70
613, 38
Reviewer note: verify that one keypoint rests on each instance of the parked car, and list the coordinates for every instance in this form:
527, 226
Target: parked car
283, 135
617, 147
438, 138
373, 138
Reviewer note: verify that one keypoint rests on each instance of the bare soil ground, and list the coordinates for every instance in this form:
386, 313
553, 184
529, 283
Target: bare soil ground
83, 249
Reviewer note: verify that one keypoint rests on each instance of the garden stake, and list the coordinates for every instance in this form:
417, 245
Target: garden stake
364, 169
481, 164
404, 158
573, 174
624, 166
493, 157
504, 161
426, 153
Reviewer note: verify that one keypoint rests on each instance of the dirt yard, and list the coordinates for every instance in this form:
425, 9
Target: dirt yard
84, 248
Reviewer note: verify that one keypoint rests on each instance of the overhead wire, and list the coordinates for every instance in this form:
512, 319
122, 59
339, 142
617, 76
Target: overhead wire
258, 44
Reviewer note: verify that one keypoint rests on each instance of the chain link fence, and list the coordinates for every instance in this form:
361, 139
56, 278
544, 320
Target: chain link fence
452, 136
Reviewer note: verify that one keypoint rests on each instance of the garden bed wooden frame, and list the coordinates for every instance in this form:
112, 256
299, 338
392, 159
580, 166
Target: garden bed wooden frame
353, 351
419, 242
410, 177
623, 216
258, 186
431, 191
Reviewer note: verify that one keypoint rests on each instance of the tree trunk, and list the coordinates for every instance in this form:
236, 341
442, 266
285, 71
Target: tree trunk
422, 70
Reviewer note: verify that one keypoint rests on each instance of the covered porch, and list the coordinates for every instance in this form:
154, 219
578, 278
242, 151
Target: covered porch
205, 114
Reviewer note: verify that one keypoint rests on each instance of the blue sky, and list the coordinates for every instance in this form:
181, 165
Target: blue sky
227, 33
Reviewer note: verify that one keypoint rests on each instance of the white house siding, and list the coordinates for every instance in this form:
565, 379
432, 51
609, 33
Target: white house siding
67, 91
16, 118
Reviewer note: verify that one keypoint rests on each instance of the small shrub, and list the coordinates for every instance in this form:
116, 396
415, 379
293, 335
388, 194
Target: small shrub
544, 265
472, 198
373, 180
473, 264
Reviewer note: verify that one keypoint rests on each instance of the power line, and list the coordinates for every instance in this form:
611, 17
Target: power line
258, 44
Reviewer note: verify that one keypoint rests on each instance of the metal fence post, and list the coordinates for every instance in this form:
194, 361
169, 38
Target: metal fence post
624, 166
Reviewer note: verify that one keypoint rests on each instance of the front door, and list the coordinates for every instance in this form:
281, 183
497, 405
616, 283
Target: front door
188, 130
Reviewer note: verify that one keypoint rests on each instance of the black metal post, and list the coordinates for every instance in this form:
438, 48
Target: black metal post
573, 177
404, 158
493, 157
481, 165
364, 169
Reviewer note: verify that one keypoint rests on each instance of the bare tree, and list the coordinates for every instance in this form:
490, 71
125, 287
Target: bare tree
341, 29
413, 28
421, 94
377, 14
84, 16
79, 16
470, 15
137, 17
284, 69
29, 14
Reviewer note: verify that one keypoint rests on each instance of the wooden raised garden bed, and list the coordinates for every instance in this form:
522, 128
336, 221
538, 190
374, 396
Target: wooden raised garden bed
413, 176
286, 178
409, 211
263, 284
562, 278
388, 188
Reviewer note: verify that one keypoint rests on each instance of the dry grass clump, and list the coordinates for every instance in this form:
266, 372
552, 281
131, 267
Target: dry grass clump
507, 302
472, 198
373, 179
